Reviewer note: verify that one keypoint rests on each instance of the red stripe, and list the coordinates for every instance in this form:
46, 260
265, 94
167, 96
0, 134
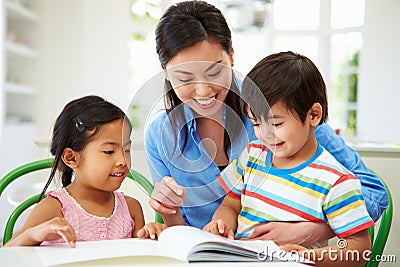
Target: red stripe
322, 167
346, 177
226, 188
283, 207
356, 229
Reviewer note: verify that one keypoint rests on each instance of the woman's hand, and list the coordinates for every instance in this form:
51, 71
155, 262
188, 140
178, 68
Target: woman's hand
219, 227
151, 230
167, 196
302, 233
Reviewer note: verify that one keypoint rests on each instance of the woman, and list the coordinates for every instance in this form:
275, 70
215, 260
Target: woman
203, 129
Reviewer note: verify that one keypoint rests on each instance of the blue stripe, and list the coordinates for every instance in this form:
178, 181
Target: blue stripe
286, 201
343, 203
302, 183
352, 225
237, 235
252, 217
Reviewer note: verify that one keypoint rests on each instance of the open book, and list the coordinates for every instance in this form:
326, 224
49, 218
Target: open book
182, 243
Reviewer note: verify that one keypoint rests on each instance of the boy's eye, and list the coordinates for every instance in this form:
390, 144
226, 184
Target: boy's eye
108, 152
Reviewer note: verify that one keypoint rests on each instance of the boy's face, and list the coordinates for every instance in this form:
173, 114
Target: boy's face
285, 135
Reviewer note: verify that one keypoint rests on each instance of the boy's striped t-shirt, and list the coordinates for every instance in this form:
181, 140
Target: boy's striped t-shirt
319, 190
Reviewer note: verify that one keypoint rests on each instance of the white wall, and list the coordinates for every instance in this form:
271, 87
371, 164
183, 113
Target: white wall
379, 79
84, 50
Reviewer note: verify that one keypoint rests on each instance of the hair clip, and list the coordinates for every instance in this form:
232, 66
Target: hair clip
79, 125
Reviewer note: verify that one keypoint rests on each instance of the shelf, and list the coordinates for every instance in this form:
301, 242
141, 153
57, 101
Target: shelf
18, 11
20, 89
20, 49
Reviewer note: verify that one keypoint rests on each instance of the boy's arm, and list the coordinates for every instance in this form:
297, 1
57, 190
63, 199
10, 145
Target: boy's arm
224, 220
374, 192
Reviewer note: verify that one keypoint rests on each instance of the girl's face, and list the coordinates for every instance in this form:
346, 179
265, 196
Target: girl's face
106, 160
291, 141
201, 76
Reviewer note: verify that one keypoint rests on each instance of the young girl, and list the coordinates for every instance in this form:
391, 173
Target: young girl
91, 145
287, 175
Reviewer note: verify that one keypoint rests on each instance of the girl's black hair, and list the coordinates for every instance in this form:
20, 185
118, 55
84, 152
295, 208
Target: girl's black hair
77, 125
183, 25
288, 77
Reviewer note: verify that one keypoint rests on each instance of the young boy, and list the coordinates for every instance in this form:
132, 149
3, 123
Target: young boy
286, 175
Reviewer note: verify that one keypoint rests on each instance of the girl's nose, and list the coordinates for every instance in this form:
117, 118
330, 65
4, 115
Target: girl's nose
121, 160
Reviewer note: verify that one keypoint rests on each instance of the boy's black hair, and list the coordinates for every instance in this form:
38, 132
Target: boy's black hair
288, 77
77, 125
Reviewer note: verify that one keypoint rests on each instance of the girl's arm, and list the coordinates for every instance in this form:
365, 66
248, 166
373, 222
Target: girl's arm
45, 222
350, 251
224, 220
141, 230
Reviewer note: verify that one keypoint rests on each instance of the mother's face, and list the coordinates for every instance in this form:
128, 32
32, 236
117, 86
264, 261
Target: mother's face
201, 76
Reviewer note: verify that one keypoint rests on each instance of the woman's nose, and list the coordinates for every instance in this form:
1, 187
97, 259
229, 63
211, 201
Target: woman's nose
203, 89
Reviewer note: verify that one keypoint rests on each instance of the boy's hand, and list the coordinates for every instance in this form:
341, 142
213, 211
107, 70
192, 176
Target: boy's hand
219, 227
151, 230
53, 230
167, 196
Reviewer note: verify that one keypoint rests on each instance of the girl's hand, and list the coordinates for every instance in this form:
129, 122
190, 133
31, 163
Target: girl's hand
52, 230
219, 227
151, 230
167, 196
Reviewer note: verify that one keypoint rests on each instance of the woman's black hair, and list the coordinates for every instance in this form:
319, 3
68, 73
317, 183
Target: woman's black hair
77, 125
288, 77
183, 25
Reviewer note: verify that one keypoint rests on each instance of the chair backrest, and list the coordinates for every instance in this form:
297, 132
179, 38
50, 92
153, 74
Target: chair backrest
44, 164
378, 241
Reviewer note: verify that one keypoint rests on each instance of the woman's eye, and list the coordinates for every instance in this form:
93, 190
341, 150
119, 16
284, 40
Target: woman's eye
108, 152
185, 80
214, 74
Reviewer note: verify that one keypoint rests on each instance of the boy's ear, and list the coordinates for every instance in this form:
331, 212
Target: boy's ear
70, 158
315, 114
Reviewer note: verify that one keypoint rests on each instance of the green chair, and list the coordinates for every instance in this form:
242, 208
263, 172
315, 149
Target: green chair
44, 164
378, 242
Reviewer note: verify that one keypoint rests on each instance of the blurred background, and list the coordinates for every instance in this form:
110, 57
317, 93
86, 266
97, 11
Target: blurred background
52, 51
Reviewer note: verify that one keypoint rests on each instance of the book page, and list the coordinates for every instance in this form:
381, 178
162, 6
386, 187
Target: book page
193, 244
96, 250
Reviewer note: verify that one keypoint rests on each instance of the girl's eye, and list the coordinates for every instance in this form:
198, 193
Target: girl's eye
256, 124
108, 152
277, 124
214, 74
128, 151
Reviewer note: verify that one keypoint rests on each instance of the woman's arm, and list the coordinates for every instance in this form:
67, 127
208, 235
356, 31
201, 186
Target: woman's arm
350, 251
373, 190
45, 222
